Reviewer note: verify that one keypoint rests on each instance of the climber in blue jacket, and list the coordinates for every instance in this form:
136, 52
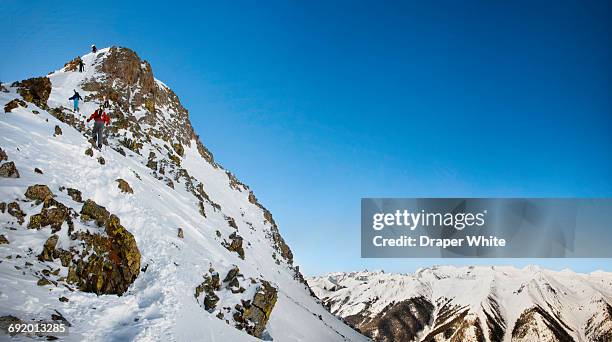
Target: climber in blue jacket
75, 98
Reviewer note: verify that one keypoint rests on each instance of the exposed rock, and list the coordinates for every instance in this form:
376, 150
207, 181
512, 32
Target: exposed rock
92, 211
178, 147
101, 160
397, 322
63, 299
75, 195
599, 326
12, 104
38, 193
7, 321
531, 322
235, 245
208, 287
256, 315
124, 186
37, 170
9, 170
232, 274
35, 90
15, 211
115, 262
278, 240
180, 233
89, 152
48, 248
58, 130
43, 282
3, 155
53, 214
3, 240
73, 65
231, 222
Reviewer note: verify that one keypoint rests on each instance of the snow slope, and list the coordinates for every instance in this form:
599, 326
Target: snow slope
160, 305
487, 303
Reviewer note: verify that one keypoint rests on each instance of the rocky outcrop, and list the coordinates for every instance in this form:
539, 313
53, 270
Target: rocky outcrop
278, 240
397, 322
35, 90
599, 327
124, 186
75, 195
114, 262
38, 192
73, 65
208, 287
235, 245
253, 315
12, 104
536, 324
52, 214
14, 210
48, 248
9, 170
130, 85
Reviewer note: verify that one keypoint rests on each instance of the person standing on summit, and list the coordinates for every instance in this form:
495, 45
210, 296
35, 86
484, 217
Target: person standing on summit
75, 98
100, 120
81, 65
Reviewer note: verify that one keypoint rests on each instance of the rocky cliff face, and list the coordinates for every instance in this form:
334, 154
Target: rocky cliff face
152, 218
472, 304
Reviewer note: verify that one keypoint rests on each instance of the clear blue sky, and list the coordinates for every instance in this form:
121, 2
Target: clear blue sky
315, 105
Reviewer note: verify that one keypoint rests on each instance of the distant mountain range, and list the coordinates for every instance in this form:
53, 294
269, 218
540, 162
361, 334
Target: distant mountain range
472, 304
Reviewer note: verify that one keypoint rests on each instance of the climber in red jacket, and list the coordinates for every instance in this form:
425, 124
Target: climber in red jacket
100, 119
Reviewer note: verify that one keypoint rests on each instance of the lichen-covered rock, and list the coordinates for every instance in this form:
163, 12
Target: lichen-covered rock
92, 211
15, 211
3, 240
124, 186
48, 248
235, 245
210, 284
180, 150
253, 315
231, 274
35, 90
12, 104
75, 195
38, 192
53, 214
58, 130
114, 261
89, 152
9, 170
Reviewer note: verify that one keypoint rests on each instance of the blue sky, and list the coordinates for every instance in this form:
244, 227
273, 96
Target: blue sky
317, 104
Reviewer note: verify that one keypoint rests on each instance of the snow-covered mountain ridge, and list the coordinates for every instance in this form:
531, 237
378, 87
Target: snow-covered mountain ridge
475, 303
148, 239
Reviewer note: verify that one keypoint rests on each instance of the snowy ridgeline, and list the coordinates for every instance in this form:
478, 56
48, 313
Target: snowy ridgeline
210, 263
472, 304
